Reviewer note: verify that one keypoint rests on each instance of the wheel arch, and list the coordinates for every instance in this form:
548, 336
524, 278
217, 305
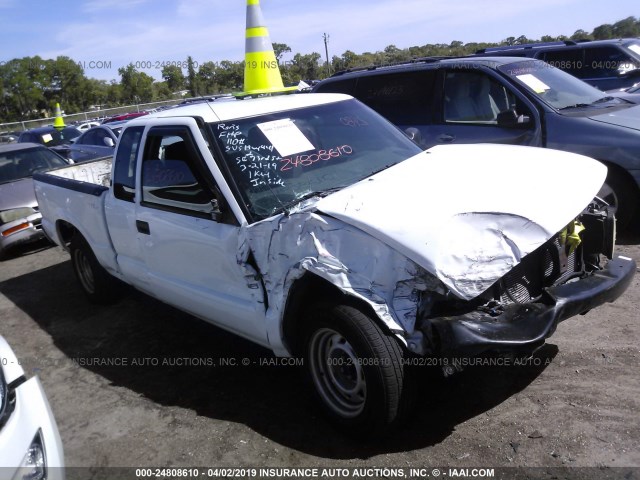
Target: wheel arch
618, 174
309, 289
65, 232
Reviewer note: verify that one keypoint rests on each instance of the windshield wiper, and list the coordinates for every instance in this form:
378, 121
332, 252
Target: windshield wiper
603, 99
585, 105
577, 105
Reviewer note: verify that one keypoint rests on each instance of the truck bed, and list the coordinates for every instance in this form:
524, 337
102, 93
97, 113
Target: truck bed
75, 195
83, 177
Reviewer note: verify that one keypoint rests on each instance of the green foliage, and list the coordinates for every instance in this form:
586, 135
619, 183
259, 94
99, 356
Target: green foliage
137, 87
31, 86
174, 78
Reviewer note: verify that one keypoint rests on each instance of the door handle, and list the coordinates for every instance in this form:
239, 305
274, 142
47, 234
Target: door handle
143, 227
445, 137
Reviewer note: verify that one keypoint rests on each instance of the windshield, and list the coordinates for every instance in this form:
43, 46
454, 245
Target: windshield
279, 159
554, 86
18, 164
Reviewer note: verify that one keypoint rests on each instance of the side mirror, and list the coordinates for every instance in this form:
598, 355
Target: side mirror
109, 142
510, 119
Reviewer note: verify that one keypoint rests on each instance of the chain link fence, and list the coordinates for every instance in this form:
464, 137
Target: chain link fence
94, 115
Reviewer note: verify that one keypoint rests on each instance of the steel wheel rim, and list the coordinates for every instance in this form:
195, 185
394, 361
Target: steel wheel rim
85, 273
337, 373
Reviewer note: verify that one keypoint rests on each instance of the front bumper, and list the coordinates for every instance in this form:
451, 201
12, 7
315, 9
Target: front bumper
525, 326
20, 231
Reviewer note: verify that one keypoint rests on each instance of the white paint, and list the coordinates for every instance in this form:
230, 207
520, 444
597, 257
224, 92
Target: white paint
469, 213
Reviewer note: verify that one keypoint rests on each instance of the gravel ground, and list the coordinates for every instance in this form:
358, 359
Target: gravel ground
188, 394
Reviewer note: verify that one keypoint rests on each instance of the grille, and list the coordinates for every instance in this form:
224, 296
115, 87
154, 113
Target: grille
548, 265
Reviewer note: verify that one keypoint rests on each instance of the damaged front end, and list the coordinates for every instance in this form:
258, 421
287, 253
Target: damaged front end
561, 278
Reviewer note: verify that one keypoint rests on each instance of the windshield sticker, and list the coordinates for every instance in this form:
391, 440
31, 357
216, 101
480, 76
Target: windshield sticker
534, 83
635, 48
286, 137
46, 138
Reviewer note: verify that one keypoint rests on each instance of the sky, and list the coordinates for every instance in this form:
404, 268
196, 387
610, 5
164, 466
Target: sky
104, 35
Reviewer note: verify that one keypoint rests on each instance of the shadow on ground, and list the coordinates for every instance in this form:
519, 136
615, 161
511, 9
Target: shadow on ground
272, 400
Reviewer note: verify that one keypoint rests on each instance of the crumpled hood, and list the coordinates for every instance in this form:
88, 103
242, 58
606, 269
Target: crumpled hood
17, 194
628, 118
469, 213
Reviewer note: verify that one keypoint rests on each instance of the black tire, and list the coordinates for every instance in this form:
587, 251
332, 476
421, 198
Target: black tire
98, 285
355, 369
618, 192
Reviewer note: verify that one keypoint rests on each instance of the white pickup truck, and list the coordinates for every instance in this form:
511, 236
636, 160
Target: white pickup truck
309, 224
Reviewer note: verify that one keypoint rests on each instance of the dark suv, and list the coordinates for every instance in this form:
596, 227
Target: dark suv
506, 100
605, 64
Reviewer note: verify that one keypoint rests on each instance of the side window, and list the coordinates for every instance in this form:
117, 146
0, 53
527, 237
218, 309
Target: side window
604, 62
124, 175
87, 138
100, 136
339, 86
569, 60
170, 178
403, 98
472, 97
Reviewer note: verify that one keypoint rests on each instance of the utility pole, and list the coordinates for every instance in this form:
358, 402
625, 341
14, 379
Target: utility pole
326, 52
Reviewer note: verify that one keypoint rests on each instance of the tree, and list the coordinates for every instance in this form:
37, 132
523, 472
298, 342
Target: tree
305, 67
581, 35
208, 78
230, 76
136, 86
280, 49
173, 77
603, 32
629, 27
192, 79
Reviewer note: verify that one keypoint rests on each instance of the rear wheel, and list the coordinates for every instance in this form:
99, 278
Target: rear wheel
354, 367
98, 285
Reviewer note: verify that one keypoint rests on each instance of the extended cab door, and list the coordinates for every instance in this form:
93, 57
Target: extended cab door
188, 251
476, 107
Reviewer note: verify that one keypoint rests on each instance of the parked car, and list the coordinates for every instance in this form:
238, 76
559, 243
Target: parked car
10, 137
605, 64
30, 445
312, 226
96, 142
124, 116
86, 126
20, 218
507, 100
49, 136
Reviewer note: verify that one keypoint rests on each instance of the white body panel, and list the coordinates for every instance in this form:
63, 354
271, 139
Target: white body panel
32, 414
460, 216
469, 213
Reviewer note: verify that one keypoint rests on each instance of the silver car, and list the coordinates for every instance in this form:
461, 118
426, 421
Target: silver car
19, 215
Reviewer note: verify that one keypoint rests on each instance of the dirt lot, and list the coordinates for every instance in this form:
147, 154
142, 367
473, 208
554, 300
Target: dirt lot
177, 399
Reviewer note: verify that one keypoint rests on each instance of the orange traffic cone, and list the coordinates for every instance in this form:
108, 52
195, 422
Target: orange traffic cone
58, 122
261, 71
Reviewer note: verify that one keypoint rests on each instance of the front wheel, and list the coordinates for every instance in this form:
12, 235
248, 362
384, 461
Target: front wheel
355, 368
98, 285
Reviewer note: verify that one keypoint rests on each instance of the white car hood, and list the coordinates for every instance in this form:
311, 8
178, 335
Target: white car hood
469, 213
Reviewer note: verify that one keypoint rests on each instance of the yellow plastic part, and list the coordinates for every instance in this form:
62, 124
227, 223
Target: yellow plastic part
58, 122
261, 70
